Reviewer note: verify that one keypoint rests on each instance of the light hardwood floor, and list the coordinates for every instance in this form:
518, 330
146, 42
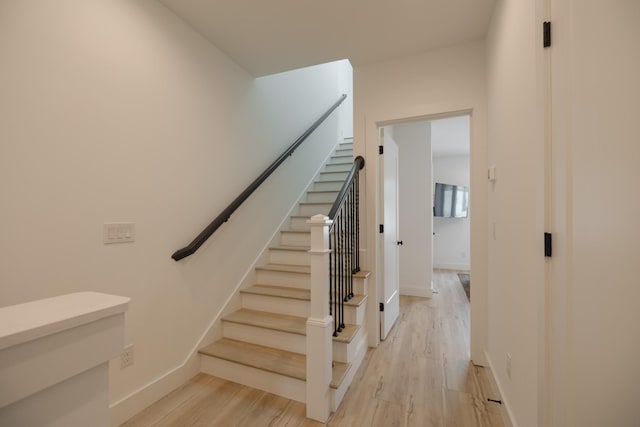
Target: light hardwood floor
419, 376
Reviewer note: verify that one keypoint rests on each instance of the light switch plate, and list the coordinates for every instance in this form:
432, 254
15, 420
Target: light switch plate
118, 232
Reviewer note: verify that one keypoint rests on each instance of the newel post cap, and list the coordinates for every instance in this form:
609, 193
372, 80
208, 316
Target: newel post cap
320, 220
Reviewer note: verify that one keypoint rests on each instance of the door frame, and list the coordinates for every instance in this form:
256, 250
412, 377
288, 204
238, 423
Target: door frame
476, 110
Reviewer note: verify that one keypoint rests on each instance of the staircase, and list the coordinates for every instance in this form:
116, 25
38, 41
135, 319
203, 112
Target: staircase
264, 342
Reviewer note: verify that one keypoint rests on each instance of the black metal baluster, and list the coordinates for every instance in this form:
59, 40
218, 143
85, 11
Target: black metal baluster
334, 299
341, 300
357, 204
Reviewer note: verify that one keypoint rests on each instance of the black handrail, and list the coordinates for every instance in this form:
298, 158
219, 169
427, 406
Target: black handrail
225, 214
358, 164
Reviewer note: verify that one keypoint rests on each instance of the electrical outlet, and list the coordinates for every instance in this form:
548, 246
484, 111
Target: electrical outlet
126, 357
509, 365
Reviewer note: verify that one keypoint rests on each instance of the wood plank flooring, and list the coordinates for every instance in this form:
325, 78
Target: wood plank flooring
419, 376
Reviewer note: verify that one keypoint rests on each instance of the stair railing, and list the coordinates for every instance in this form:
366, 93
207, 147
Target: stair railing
226, 213
334, 259
344, 244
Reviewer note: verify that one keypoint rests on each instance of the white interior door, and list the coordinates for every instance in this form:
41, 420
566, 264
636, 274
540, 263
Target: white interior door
388, 240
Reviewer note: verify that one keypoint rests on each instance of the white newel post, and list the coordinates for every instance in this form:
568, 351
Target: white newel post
319, 341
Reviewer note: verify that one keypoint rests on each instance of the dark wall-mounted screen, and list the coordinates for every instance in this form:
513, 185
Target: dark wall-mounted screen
451, 201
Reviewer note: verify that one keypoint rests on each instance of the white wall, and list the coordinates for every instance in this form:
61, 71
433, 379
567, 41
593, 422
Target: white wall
451, 241
415, 226
443, 81
117, 111
346, 86
515, 204
594, 291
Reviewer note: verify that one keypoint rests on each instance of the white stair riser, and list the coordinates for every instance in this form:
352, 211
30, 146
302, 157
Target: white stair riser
346, 352
279, 256
340, 167
287, 387
297, 223
311, 210
266, 337
358, 287
354, 315
326, 197
281, 278
293, 307
333, 176
344, 152
325, 185
346, 144
295, 239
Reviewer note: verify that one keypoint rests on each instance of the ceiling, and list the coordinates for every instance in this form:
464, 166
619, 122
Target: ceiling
269, 36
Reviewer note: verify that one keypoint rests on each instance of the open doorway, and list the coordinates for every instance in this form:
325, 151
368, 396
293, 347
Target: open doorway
450, 143
425, 152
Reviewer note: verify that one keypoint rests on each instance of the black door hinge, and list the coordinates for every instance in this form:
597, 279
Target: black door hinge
499, 402
381, 228
546, 34
381, 306
547, 244
380, 149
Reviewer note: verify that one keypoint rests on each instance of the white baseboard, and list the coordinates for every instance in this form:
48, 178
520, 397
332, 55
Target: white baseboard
130, 405
507, 417
416, 291
454, 266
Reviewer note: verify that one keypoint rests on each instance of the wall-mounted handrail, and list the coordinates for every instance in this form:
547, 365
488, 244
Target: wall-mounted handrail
226, 213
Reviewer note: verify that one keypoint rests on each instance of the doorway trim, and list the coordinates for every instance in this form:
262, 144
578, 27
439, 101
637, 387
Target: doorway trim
479, 218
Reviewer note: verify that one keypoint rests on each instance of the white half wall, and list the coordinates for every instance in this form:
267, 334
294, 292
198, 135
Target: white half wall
415, 225
118, 111
451, 241
448, 81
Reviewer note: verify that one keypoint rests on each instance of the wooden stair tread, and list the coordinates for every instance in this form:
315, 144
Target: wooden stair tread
334, 181
257, 356
294, 293
286, 268
283, 322
293, 365
356, 300
290, 248
322, 191
347, 334
338, 373
362, 274
279, 291
297, 231
274, 321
